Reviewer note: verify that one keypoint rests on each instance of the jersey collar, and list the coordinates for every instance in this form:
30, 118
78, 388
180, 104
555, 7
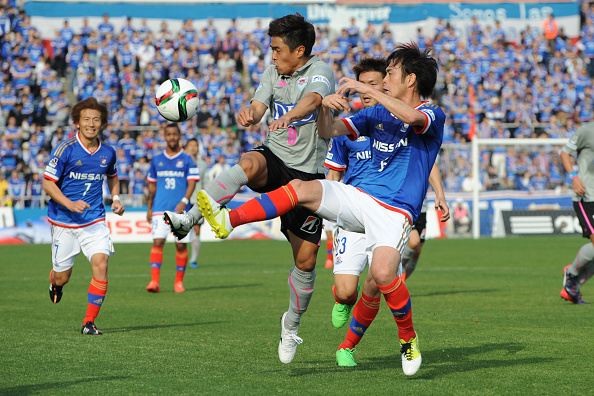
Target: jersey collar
85, 147
172, 156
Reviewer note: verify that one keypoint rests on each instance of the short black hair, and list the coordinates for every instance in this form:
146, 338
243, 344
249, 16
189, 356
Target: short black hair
173, 125
412, 60
370, 64
295, 31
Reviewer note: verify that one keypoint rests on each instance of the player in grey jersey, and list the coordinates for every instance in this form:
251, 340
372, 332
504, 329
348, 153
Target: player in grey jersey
292, 88
582, 268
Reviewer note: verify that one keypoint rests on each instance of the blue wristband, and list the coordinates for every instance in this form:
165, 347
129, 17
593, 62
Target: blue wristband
573, 175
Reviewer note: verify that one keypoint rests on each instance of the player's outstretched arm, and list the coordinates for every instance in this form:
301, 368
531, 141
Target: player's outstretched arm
440, 201
307, 105
401, 110
52, 189
251, 114
327, 127
113, 183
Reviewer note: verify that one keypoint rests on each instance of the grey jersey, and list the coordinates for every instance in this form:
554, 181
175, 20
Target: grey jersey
299, 146
583, 143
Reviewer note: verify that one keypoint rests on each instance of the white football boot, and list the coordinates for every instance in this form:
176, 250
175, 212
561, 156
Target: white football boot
288, 342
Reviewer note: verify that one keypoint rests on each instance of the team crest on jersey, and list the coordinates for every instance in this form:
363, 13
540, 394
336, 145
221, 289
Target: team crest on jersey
180, 164
302, 82
311, 224
53, 162
78, 163
103, 162
404, 127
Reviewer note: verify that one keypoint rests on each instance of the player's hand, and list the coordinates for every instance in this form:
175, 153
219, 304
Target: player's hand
149, 216
282, 122
578, 186
336, 102
180, 207
117, 208
348, 86
441, 204
245, 116
79, 206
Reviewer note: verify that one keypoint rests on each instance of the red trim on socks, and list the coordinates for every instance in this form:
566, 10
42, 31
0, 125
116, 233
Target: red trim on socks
283, 199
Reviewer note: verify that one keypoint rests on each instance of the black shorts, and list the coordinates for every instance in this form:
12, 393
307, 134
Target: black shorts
421, 225
585, 214
300, 221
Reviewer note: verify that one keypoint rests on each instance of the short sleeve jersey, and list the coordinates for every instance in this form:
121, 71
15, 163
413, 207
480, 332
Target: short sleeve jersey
582, 143
350, 157
79, 174
299, 146
401, 156
171, 173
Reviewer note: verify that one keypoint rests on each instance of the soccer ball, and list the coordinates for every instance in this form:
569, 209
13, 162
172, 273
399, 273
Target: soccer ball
177, 100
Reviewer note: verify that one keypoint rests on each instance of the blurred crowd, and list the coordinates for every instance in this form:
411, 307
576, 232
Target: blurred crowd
490, 87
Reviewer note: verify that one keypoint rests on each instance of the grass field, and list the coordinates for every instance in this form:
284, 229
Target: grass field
487, 312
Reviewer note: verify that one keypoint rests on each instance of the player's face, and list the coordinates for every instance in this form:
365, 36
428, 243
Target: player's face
373, 79
172, 137
89, 124
286, 62
393, 84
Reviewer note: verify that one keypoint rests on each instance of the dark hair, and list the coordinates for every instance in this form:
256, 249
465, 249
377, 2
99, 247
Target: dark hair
92, 104
412, 60
295, 31
192, 140
173, 125
370, 65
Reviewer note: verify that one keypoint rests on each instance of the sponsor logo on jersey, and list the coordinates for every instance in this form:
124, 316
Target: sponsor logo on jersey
78, 163
53, 171
259, 86
170, 173
302, 82
380, 127
362, 139
330, 145
180, 163
389, 147
194, 171
279, 84
53, 162
363, 155
280, 109
430, 113
321, 79
329, 155
311, 224
86, 176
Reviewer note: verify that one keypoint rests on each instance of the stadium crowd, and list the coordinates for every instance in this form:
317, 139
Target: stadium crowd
490, 87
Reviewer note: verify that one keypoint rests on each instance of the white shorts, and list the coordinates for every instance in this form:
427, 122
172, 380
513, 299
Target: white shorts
355, 211
67, 243
328, 225
350, 252
161, 230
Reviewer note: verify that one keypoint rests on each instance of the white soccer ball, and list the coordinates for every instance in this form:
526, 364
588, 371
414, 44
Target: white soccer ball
177, 100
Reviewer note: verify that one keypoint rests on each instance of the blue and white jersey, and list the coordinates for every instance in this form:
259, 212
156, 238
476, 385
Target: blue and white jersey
401, 156
350, 157
171, 175
79, 173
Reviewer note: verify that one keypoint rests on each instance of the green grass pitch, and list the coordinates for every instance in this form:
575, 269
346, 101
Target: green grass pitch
488, 314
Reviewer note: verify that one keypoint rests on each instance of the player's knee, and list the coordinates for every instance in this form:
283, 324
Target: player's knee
346, 295
306, 264
251, 166
383, 275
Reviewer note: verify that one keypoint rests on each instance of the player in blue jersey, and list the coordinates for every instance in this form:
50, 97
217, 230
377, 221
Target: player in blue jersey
292, 89
405, 135
350, 159
172, 177
74, 180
